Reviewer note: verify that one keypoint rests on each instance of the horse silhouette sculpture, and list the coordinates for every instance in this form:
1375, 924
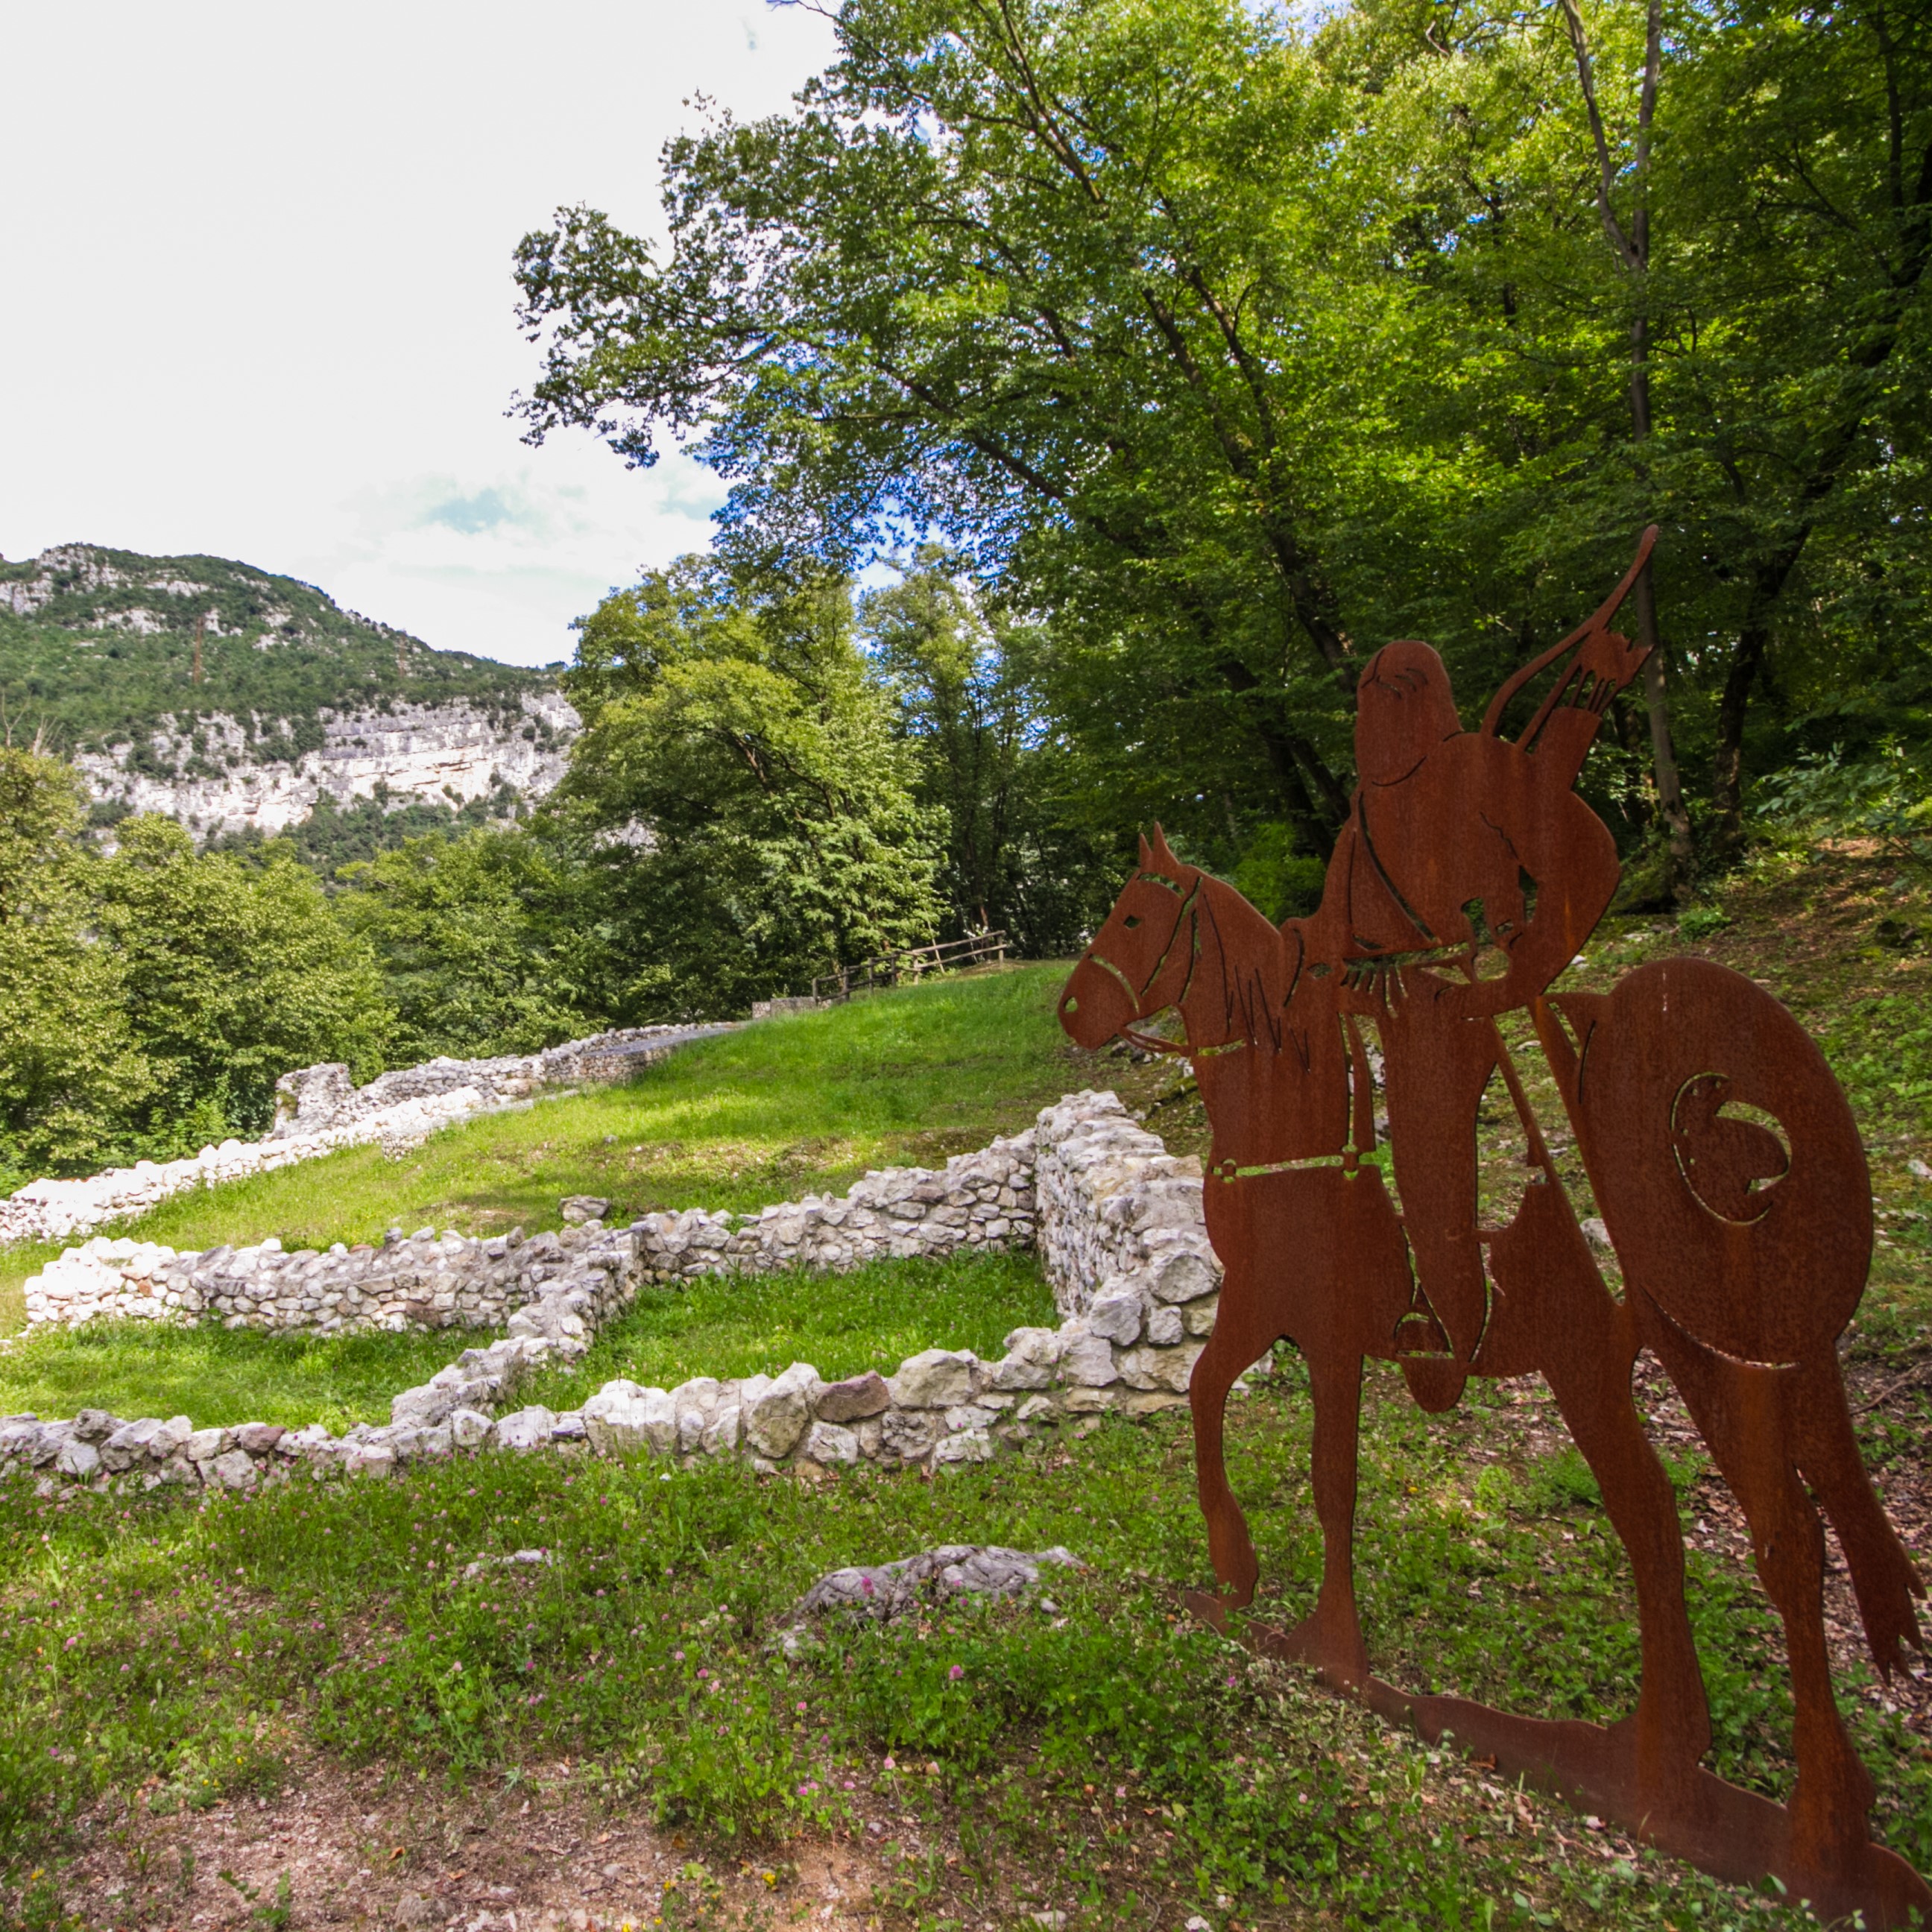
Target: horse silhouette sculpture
1723, 1160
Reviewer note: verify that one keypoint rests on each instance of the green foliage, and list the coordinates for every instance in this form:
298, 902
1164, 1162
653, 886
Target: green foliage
149, 1002
233, 973
1102, 1754
334, 835
739, 761
1883, 797
965, 680
71, 1073
1233, 347
481, 942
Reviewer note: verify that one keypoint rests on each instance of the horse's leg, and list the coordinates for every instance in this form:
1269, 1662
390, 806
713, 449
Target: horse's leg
1745, 1414
1552, 1303
1671, 1726
1246, 1326
1330, 1636
1883, 1574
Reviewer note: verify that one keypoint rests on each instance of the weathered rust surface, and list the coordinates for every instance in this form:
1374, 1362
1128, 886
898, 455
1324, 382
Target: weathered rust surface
1724, 1161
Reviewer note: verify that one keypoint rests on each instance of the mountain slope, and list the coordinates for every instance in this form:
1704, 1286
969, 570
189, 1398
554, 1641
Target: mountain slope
235, 700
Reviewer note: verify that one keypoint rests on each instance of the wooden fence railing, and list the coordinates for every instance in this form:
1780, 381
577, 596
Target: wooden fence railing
913, 962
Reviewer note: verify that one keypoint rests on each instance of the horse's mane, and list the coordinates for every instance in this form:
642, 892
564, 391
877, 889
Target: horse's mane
1246, 962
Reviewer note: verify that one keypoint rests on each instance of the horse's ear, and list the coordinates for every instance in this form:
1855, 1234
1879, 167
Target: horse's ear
1164, 860
1146, 854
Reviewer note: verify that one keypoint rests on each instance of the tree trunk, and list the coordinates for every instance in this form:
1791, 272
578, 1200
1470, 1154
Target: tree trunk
1632, 251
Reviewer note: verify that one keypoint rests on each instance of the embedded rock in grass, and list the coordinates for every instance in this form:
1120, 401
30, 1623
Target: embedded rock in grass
234, 1471
470, 1428
621, 1417
970, 1445
527, 1429
1115, 1313
830, 1445
879, 1593
1184, 1273
776, 1417
854, 1398
934, 1378
578, 1208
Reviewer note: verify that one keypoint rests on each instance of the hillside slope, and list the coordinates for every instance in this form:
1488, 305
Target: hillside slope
235, 700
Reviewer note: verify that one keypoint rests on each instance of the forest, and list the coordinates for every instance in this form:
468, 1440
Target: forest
1097, 384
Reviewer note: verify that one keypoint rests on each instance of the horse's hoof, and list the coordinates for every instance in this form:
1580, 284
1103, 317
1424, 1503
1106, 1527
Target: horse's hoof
1434, 1381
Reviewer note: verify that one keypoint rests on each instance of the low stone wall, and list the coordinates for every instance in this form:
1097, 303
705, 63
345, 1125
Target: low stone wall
319, 1110
1127, 1258
981, 1199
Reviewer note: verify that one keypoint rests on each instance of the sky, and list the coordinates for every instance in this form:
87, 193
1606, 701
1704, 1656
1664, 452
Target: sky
257, 293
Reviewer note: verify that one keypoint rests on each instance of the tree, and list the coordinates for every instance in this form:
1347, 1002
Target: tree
71, 1076
1215, 345
1090, 290
739, 765
483, 944
233, 971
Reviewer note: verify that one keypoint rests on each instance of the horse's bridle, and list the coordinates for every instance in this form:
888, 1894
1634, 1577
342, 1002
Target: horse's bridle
1150, 1043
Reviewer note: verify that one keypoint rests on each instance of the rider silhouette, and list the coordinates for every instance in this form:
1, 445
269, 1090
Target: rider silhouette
1466, 876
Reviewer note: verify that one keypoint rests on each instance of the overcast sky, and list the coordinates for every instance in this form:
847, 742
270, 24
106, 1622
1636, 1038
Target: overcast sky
257, 293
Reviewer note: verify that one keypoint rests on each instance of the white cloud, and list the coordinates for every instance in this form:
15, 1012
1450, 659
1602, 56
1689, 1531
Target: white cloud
260, 306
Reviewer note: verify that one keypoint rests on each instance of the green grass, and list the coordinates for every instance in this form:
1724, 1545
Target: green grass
805, 1102
1107, 1758
871, 1318
219, 1376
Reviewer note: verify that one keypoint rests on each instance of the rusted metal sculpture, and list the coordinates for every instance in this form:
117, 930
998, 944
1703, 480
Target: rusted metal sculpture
1468, 874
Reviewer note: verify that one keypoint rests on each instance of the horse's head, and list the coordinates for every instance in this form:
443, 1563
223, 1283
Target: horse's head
1140, 961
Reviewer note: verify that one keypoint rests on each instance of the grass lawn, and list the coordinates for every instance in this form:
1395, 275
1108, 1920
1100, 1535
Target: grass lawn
872, 1318
805, 1102
180, 1676
1104, 1757
218, 1377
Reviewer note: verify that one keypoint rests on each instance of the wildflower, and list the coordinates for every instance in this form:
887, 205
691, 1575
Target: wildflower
890, 1765
677, 1656
958, 1671
865, 1586
800, 1706
702, 1675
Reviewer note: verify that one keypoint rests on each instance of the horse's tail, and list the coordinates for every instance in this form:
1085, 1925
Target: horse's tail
1752, 1235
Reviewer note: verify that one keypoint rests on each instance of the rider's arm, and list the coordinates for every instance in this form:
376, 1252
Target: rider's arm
1571, 860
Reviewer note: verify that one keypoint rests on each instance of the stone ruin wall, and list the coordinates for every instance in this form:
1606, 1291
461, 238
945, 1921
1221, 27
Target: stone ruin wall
1132, 1270
319, 1110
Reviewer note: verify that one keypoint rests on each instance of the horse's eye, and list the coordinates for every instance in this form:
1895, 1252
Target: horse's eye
1133, 919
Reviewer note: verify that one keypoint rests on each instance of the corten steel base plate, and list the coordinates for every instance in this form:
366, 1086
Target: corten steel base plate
1723, 1160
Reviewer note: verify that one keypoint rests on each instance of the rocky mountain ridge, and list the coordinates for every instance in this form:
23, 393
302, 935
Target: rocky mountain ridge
236, 700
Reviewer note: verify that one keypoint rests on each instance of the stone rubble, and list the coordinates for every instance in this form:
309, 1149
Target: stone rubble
1119, 1224
881, 1592
319, 1110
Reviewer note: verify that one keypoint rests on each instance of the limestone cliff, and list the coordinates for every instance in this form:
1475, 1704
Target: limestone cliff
233, 699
